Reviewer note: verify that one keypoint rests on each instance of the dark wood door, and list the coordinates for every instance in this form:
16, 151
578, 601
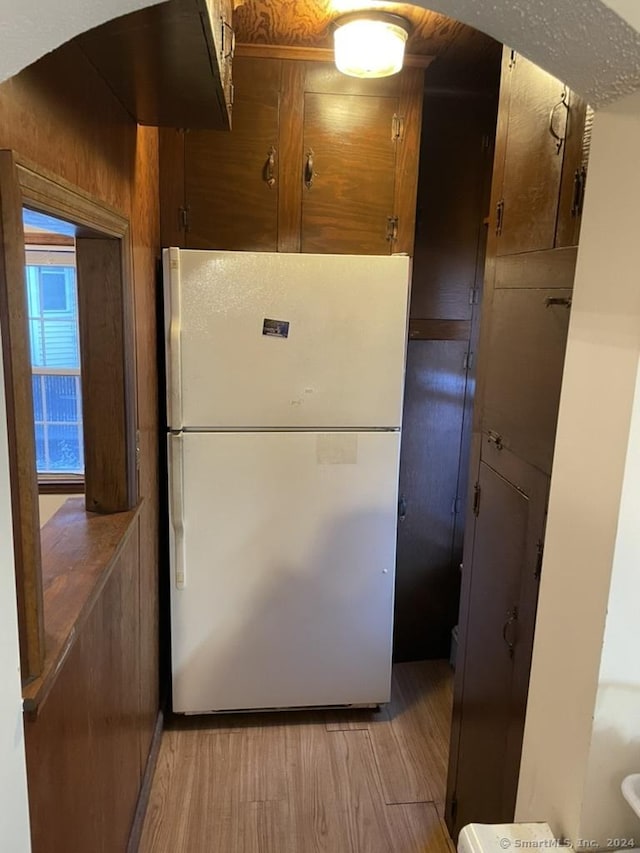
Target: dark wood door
523, 370
348, 171
427, 582
496, 644
533, 162
232, 178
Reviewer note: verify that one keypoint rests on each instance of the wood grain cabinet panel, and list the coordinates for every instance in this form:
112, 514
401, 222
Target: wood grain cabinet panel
315, 162
533, 163
523, 371
231, 178
497, 641
544, 159
349, 174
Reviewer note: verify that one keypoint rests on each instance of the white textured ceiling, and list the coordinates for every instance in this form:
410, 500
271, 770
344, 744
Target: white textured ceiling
593, 45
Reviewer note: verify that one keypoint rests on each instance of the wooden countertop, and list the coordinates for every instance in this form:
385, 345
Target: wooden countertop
79, 551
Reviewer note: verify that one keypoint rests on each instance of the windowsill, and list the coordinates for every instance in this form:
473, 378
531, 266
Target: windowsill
61, 486
79, 550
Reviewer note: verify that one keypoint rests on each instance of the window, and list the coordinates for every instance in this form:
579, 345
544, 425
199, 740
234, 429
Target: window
52, 302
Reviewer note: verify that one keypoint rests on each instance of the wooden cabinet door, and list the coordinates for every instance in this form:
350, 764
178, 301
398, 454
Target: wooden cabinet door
496, 642
574, 171
532, 161
523, 370
348, 171
231, 178
426, 582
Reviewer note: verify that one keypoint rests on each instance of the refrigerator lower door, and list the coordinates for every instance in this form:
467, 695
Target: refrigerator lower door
283, 593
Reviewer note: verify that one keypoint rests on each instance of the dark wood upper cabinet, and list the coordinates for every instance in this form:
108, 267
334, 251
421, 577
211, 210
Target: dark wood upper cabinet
169, 64
542, 171
231, 180
349, 174
315, 162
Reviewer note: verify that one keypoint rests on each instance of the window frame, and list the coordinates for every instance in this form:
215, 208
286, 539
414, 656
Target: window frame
44, 255
108, 360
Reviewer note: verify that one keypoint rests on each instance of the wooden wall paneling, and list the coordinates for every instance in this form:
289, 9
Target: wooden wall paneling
312, 54
172, 189
426, 582
533, 163
60, 114
83, 760
145, 242
347, 204
408, 157
451, 205
20, 422
108, 421
290, 155
231, 202
439, 330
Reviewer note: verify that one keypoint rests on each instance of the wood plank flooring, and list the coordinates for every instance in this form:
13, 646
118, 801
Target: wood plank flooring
309, 782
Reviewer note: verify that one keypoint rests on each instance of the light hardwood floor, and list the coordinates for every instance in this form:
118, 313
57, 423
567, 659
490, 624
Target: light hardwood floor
309, 782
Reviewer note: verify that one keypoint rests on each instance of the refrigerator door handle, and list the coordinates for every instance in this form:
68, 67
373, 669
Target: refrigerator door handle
176, 488
174, 342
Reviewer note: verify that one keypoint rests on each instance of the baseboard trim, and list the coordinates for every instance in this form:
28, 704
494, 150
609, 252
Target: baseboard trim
145, 787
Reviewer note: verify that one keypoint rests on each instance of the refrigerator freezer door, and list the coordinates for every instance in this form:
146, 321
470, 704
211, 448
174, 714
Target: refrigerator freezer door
259, 340
287, 598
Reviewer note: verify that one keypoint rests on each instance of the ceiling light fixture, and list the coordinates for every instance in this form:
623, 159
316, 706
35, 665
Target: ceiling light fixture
370, 44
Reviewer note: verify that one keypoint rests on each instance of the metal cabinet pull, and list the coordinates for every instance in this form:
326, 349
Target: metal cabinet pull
579, 182
512, 618
499, 216
402, 508
268, 170
565, 301
552, 118
309, 174
495, 438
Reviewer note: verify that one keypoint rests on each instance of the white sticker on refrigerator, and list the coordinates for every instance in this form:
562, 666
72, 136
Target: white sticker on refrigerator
337, 448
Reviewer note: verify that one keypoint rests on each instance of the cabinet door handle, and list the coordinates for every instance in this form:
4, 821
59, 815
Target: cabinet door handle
499, 217
268, 170
512, 618
564, 301
579, 181
552, 120
309, 173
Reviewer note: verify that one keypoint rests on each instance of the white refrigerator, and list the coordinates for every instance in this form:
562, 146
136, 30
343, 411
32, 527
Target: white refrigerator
284, 399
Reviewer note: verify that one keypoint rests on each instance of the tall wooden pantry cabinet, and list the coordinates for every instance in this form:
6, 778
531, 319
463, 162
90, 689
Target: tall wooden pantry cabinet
540, 164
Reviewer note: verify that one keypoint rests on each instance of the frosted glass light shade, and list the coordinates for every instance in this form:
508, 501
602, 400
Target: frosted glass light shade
369, 44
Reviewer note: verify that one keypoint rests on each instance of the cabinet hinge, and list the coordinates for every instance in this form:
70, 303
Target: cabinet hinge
477, 491
467, 361
473, 296
486, 142
138, 448
513, 57
185, 216
397, 128
539, 556
392, 228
